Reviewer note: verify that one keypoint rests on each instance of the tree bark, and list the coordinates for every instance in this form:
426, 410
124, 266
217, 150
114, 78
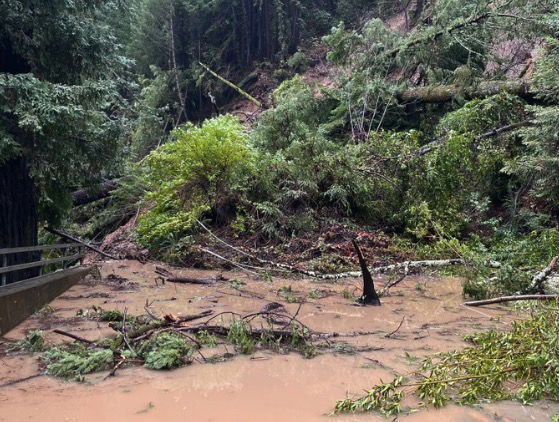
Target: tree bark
18, 216
446, 93
370, 296
88, 195
514, 298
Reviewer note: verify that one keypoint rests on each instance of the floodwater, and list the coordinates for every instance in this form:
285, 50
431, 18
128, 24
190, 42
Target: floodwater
265, 386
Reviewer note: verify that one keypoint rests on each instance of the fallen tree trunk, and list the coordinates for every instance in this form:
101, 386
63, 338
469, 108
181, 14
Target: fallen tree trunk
88, 195
410, 265
541, 277
351, 274
431, 146
446, 93
511, 299
75, 239
232, 85
171, 278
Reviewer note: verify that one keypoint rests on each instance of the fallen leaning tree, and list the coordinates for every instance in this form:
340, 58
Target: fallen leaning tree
514, 298
446, 93
410, 266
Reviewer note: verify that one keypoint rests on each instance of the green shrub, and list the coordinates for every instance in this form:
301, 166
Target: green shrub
76, 362
166, 351
204, 170
517, 364
299, 62
240, 336
34, 341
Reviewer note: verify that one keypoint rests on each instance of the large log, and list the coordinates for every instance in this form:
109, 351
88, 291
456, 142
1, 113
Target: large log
446, 93
88, 195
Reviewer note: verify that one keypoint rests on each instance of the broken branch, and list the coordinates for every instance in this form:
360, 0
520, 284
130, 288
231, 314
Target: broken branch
511, 299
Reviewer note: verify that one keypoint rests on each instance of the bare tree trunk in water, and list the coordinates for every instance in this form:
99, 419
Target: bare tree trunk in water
370, 296
18, 215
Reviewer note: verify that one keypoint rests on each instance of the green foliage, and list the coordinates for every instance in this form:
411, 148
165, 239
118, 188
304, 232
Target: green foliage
34, 341
76, 362
160, 346
537, 164
111, 315
237, 284
203, 171
520, 363
240, 335
479, 116
59, 90
206, 339
166, 351
301, 170
317, 294
288, 295
298, 62
385, 398
348, 295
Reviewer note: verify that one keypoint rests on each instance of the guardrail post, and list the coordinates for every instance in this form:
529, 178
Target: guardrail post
4, 264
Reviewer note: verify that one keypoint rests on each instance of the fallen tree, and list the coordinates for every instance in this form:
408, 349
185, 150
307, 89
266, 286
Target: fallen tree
172, 278
513, 298
538, 279
431, 146
409, 266
446, 93
82, 242
94, 193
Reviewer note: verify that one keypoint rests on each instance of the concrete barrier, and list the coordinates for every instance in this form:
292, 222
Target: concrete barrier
20, 300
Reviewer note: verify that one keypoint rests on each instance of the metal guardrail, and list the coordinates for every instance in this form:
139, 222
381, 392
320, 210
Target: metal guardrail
5, 269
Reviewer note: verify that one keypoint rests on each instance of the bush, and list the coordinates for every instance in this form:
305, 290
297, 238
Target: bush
204, 170
299, 62
77, 362
166, 351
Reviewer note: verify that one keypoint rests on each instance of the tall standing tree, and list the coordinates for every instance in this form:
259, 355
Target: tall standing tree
59, 68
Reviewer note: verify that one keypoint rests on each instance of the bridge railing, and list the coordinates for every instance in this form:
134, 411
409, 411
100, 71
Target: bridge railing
5, 269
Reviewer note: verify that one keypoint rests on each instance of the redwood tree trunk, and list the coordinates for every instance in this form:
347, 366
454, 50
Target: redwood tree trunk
18, 215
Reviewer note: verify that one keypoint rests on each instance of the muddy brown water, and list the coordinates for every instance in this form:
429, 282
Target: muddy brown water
265, 386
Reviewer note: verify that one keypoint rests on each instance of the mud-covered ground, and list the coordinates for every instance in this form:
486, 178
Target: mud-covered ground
265, 386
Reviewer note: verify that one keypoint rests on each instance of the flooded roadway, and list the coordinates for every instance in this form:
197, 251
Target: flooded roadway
265, 386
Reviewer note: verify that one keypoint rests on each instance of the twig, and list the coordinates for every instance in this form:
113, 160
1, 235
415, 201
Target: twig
18, 381
387, 288
123, 331
397, 329
294, 318
73, 336
241, 267
115, 368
